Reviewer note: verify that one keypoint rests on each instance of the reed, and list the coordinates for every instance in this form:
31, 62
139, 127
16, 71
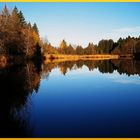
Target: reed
53, 57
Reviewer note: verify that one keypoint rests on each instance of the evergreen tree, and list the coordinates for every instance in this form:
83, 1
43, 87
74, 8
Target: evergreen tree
22, 19
15, 19
90, 49
4, 28
5, 12
29, 25
35, 28
70, 50
79, 50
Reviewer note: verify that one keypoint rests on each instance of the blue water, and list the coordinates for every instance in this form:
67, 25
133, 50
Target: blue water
85, 103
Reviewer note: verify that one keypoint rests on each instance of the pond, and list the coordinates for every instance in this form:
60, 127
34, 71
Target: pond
71, 99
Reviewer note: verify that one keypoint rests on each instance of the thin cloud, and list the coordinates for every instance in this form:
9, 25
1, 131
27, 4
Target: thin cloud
128, 30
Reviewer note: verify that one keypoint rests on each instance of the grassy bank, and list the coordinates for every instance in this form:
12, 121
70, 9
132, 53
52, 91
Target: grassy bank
54, 57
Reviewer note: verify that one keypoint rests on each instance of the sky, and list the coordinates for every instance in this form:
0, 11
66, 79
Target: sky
81, 23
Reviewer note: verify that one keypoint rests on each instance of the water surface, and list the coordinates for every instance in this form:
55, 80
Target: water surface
71, 99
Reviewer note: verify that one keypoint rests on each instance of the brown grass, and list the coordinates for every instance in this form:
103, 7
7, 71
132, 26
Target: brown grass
55, 57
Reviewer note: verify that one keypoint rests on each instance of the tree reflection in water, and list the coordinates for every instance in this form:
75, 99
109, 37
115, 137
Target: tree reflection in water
17, 83
128, 67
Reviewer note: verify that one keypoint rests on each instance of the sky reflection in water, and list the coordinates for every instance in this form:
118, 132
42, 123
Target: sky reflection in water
87, 103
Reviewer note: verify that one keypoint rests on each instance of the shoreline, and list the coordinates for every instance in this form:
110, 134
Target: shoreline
65, 57
80, 57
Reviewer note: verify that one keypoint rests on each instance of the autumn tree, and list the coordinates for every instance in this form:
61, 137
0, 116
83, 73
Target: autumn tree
125, 46
79, 50
4, 28
35, 28
70, 50
22, 19
105, 46
48, 48
63, 47
16, 36
15, 44
137, 47
90, 49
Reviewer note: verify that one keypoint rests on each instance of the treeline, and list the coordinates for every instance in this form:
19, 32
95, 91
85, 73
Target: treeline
17, 37
129, 45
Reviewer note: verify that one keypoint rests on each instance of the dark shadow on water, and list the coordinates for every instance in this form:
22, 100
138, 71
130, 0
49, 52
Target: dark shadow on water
17, 83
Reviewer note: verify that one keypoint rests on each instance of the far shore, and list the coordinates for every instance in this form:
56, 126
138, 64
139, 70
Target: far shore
81, 57
62, 57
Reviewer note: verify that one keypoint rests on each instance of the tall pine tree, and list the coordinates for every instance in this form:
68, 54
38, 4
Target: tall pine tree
22, 19
35, 28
